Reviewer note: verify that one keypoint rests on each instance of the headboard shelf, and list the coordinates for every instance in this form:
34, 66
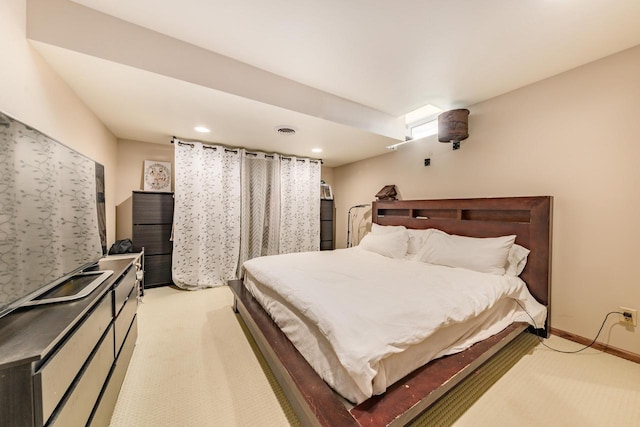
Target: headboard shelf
436, 213
513, 215
500, 215
395, 212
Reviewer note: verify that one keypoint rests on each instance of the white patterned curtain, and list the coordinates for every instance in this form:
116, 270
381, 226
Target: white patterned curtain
206, 237
260, 210
299, 205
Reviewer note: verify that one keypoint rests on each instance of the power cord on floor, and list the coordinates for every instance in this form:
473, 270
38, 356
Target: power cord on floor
574, 351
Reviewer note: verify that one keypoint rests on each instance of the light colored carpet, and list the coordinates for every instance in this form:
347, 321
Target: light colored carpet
194, 365
548, 388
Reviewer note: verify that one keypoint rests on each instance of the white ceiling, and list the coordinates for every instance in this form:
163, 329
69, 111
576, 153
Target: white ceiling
389, 56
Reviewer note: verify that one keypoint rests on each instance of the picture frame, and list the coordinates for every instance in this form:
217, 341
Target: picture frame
325, 192
157, 176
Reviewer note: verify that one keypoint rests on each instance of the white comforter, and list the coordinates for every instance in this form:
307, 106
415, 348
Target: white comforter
370, 307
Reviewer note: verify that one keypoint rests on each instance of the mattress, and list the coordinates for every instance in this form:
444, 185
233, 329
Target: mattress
363, 321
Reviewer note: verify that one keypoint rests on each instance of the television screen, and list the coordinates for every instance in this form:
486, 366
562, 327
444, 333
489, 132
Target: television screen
50, 196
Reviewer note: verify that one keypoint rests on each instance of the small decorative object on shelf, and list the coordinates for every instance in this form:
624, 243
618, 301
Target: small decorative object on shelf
157, 176
388, 192
325, 191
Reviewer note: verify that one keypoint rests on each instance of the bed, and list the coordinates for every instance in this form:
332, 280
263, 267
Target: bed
527, 218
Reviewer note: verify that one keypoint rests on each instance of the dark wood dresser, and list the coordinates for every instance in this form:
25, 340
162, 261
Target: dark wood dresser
326, 225
152, 222
63, 364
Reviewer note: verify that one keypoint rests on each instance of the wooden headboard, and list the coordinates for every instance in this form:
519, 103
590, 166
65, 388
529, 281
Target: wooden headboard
529, 218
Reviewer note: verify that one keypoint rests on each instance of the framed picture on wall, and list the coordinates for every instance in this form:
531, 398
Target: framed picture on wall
157, 176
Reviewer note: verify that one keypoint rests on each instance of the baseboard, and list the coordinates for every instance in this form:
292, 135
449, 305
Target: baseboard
598, 346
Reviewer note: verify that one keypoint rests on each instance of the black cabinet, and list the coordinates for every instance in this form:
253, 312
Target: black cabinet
326, 225
152, 223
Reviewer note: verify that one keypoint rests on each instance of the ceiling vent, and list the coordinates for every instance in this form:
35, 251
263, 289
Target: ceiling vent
285, 130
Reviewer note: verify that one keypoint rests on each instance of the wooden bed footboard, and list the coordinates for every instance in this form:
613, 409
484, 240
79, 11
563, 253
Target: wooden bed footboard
316, 404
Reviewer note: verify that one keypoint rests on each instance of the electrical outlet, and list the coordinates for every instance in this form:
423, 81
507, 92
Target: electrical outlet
629, 316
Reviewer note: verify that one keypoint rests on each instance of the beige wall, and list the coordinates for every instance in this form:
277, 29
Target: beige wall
327, 175
33, 93
131, 157
574, 137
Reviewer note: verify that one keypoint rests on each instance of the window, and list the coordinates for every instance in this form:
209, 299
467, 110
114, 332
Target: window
424, 129
422, 122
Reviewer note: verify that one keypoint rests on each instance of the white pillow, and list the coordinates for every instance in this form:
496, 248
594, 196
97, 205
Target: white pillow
392, 245
517, 260
384, 229
416, 237
485, 255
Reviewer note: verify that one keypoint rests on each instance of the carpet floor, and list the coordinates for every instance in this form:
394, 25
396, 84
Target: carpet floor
196, 365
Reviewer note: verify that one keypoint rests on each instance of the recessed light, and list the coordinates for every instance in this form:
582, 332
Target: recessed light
201, 129
316, 150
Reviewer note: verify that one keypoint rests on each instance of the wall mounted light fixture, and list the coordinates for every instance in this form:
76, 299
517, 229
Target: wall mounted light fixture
453, 126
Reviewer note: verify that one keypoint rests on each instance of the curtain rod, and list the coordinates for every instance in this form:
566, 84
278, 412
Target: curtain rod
249, 153
301, 160
204, 146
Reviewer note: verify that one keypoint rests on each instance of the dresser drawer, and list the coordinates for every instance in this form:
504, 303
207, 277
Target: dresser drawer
123, 289
155, 239
152, 208
77, 407
54, 378
326, 230
104, 410
326, 209
124, 319
157, 270
326, 245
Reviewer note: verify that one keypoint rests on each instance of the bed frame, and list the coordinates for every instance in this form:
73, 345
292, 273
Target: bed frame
316, 404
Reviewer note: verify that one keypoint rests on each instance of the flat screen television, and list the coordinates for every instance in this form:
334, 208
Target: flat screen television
52, 218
